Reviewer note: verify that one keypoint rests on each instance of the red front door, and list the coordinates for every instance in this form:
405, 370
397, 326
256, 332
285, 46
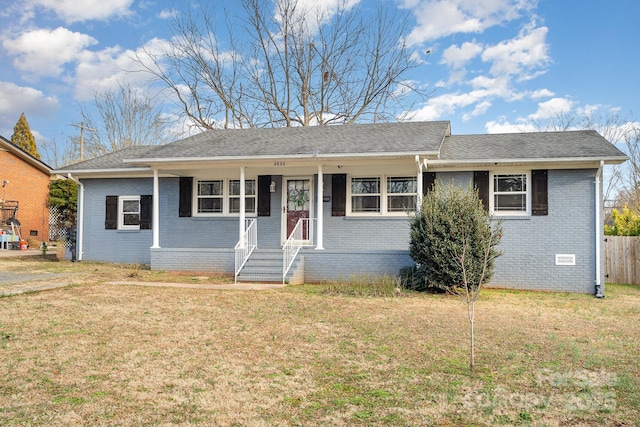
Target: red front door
298, 204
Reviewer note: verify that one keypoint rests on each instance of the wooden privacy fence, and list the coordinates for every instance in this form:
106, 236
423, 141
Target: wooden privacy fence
622, 259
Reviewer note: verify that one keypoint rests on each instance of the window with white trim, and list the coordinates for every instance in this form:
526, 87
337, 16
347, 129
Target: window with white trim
222, 197
249, 196
129, 213
510, 193
402, 193
210, 196
383, 195
365, 194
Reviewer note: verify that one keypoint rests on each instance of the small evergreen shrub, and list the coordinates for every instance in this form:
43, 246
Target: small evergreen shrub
449, 238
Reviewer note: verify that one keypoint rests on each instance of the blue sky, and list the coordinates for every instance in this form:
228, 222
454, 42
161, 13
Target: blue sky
496, 65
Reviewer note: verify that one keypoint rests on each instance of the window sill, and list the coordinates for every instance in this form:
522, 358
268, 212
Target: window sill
512, 217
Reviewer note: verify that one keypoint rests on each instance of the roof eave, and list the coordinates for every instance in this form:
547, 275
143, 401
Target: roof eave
333, 156
17, 151
552, 160
138, 171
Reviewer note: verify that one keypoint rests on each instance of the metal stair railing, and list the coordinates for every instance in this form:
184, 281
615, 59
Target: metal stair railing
294, 243
246, 245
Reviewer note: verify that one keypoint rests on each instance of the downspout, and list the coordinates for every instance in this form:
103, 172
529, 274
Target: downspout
419, 177
599, 285
80, 216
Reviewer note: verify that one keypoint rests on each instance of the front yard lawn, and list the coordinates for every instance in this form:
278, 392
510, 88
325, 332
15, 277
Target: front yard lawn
98, 354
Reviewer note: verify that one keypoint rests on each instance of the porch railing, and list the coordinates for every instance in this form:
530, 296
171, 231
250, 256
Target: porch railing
246, 245
302, 235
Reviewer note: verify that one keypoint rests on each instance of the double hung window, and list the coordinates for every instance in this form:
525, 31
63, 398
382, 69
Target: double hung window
128, 212
510, 193
249, 196
222, 197
383, 195
365, 194
210, 196
401, 193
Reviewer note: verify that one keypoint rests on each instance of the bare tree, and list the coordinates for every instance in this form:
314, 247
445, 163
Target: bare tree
629, 194
125, 117
614, 127
280, 64
454, 243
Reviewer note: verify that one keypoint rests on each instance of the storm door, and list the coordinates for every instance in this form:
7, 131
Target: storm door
297, 205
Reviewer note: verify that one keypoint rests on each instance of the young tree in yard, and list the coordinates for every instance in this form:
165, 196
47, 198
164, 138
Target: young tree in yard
23, 138
287, 63
453, 241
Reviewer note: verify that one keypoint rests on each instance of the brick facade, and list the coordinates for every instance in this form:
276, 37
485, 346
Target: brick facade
356, 245
28, 183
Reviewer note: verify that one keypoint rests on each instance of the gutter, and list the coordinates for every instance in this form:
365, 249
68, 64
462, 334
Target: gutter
302, 156
80, 216
598, 232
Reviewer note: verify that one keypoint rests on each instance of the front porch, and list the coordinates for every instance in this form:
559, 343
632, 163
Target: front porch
316, 266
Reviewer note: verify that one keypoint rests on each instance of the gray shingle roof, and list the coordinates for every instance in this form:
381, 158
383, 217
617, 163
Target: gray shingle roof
409, 137
111, 160
385, 138
536, 145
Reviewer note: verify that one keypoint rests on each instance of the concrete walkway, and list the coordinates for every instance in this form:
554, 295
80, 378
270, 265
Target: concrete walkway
222, 286
15, 283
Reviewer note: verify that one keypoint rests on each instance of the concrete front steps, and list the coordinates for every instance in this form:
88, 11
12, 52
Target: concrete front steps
265, 266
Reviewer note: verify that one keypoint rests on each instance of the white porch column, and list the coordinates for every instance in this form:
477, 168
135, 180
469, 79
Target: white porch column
241, 228
320, 208
155, 215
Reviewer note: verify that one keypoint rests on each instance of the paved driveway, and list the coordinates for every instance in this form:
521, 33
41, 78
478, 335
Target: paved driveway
13, 282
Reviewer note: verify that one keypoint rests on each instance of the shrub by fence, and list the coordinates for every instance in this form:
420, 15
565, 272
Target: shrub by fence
622, 259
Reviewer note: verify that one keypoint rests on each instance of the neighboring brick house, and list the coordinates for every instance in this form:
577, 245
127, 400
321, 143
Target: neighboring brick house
25, 179
205, 202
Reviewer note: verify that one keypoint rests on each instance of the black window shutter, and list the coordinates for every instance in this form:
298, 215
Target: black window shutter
264, 195
338, 194
186, 197
145, 212
481, 183
111, 213
539, 193
428, 180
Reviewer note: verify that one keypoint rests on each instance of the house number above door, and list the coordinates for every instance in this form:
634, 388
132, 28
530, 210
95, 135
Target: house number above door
278, 163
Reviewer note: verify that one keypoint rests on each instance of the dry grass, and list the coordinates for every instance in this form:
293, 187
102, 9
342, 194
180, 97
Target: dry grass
97, 354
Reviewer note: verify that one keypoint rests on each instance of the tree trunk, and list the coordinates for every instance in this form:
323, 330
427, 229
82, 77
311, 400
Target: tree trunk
471, 310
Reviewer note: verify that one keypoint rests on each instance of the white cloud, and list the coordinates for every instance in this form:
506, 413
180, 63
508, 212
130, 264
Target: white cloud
106, 69
77, 11
542, 93
167, 14
443, 106
480, 109
552, 108
520, 55
456, 57
502, 126
440, 18
44, 52
16, 99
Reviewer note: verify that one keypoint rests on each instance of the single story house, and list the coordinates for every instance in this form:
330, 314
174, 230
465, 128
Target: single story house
329, 202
